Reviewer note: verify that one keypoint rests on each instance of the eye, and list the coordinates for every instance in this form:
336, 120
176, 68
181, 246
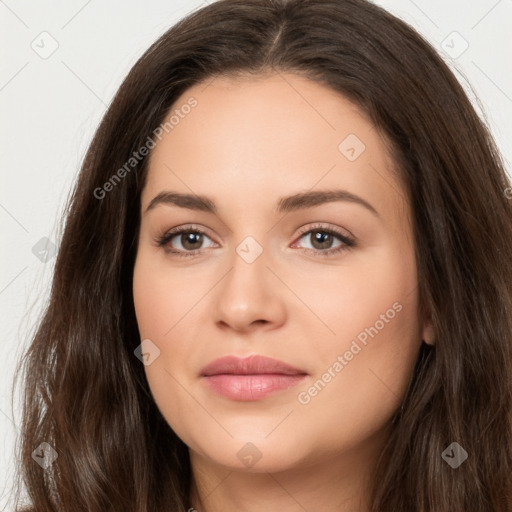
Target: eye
322, 238
190, 239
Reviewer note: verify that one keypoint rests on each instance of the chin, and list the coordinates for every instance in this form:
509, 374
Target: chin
252, 454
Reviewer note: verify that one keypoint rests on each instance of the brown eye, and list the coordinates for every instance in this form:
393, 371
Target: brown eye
322, 239
191, 240
183, 241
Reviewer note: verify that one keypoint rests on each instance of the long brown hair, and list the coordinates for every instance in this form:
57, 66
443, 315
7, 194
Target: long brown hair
86, 394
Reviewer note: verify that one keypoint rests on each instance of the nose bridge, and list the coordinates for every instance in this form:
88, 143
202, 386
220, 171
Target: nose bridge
247, 279
247, 293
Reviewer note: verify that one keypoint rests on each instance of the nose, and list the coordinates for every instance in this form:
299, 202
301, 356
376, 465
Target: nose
250, 296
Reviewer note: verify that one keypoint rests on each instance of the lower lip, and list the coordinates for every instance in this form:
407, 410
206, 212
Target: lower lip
251, 387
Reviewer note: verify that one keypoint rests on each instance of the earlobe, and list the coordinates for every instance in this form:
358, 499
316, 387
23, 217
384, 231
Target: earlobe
428, 333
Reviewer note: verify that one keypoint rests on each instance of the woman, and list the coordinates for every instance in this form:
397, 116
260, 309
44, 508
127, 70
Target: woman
195, 355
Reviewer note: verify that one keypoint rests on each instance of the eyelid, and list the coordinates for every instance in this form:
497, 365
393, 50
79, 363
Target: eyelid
326, 226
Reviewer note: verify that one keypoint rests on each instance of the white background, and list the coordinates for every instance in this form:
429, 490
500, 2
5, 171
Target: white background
51, 106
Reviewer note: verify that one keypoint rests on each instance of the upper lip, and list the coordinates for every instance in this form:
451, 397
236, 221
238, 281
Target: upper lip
252, 365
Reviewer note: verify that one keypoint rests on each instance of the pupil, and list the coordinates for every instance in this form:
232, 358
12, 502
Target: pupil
322, 238
191, 238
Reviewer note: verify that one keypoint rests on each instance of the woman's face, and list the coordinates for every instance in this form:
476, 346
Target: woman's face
306, 257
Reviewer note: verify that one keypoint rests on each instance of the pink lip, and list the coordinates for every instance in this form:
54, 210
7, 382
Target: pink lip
250, 378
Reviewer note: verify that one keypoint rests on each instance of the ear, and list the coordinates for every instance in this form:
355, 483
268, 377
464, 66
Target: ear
427, 334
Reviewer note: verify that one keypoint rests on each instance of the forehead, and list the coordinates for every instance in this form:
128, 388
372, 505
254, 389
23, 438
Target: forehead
265, 135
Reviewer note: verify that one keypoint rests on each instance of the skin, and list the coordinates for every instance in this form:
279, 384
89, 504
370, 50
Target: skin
247, 143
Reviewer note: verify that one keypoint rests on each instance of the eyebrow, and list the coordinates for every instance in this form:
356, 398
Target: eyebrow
299, 201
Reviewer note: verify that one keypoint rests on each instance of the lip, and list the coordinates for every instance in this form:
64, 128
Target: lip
250, 378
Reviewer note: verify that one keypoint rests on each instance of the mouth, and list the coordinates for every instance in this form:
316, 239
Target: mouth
251, 378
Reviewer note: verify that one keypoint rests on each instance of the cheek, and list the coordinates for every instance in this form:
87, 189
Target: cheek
373, 291
366, 360
162, 295
162, 299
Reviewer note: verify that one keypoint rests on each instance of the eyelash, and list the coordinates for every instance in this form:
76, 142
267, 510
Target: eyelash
348, 242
